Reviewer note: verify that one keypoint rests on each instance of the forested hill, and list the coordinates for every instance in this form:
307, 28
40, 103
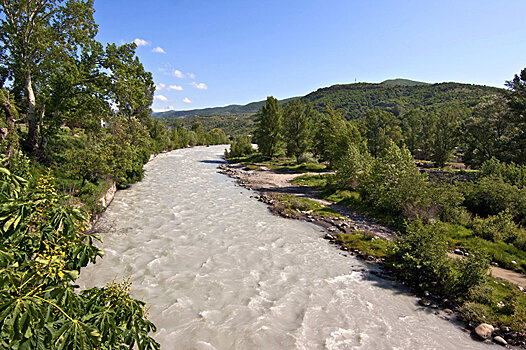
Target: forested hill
250, 108
353, 100
405, 82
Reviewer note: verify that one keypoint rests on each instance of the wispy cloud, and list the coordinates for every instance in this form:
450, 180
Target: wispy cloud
178, 74
160, 86
161, 98
191, 75
158, 49
141, 42
175, 87
200, 86
169, 108
187, 100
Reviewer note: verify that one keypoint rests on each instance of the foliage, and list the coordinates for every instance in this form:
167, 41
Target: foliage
380, 129
334, 136
240, 147
269, 128
419, 259
496, 227
42, 250
297, 127
394, 183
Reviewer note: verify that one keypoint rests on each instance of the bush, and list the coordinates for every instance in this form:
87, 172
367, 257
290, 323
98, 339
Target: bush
353, 167
496, 227
490, 196
307, 157
419, 259
240, 147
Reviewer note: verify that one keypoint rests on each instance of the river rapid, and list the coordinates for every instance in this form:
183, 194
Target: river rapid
219, 271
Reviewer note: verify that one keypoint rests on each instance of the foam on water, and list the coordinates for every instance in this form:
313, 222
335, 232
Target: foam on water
219, 271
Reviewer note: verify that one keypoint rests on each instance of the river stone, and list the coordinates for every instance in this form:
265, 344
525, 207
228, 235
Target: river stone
484, 330
500, 341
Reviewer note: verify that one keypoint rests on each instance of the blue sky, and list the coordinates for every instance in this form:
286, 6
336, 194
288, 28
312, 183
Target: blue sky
219, 52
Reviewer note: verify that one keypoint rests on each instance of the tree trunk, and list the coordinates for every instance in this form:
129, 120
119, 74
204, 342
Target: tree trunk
32, 119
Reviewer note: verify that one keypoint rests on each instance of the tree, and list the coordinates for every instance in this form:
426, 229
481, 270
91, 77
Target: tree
486, 131
60, 74
269, 128
297, 127
334, 136
412, 130
35, 35
516, 144
381, 128
447, 132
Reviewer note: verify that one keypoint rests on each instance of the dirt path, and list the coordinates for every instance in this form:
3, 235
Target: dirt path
268, 181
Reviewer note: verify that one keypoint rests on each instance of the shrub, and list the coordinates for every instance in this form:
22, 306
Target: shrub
419, 259
496, 227
353, 167
490, 196
307, 157
240, 147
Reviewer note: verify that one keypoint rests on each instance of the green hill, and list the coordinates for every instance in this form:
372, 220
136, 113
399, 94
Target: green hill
405, 82
249, 108
353, 100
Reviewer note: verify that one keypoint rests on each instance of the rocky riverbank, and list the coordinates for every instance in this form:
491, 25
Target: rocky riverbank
269, 183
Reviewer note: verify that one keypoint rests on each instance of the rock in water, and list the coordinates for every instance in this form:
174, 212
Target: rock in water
484, 330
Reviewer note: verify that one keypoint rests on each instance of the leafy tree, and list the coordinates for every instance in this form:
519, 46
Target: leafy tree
269, 128
217, 136
446, 136
381, 128
8, 137
412, 130
297, 127
394, 184
335, 135
485, 132
516, 143
35, 35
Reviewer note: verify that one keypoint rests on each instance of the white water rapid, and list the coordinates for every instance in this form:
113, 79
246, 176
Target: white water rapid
219, 271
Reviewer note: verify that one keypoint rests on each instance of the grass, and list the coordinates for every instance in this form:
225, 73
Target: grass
500, 252
498, 303
292, 204
316, 181
364, 242
287, 167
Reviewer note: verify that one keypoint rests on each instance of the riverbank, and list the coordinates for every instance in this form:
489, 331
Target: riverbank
346, 223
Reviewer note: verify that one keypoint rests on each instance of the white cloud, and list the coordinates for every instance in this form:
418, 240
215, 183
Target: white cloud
191, 75
158, 49
179, 74
187, 100
169, 108
200, 86
175, 87
160, 86
141, 42
161, 98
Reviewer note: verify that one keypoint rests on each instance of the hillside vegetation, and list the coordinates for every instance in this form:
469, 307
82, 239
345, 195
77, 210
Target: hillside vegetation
351, 100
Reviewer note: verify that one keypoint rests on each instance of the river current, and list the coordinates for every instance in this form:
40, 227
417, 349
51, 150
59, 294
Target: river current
219, 271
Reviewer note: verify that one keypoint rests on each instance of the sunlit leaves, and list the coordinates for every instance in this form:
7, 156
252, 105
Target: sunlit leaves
42, 249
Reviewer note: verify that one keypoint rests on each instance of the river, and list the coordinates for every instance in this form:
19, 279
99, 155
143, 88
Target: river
219, 271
